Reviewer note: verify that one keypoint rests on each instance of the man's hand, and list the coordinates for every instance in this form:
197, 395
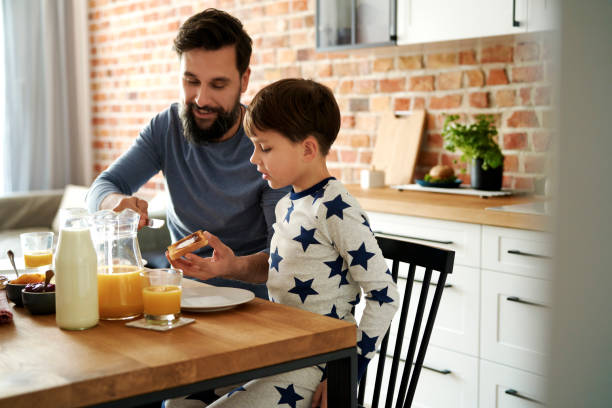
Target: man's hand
319, 399
119, 202
222, 262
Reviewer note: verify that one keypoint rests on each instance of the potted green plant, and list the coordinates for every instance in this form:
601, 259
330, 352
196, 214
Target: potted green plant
477, 145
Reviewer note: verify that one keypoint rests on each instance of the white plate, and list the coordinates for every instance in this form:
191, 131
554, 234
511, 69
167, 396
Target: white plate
213, 298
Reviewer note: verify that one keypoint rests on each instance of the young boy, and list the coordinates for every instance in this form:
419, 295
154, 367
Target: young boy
322, 252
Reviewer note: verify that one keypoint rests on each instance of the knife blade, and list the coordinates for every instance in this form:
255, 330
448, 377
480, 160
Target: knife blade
155, 223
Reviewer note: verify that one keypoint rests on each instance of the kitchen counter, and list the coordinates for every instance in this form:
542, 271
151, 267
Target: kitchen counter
451, 207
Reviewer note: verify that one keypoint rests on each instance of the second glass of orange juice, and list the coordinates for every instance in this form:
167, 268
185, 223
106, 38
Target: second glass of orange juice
37, 248
161, 295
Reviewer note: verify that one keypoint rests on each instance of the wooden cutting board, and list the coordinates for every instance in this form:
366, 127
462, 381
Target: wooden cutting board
397, 145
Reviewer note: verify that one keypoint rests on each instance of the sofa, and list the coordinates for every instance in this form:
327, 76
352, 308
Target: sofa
39, 211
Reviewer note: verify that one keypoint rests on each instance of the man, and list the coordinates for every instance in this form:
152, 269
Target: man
203, 153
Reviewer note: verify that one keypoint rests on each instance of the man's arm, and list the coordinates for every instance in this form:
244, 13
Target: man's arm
223, 263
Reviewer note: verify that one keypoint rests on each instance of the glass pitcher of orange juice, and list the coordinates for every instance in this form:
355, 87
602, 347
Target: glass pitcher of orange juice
119, 264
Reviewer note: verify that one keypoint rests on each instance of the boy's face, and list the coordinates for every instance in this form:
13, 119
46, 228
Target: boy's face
210, 93
278, 159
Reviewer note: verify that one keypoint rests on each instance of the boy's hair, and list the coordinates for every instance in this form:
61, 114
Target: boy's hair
213, 29
296, 108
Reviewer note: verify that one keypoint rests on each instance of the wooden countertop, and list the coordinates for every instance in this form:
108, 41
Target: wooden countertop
450, 207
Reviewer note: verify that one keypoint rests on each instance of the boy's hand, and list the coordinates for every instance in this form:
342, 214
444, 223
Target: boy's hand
221, 263
319, 399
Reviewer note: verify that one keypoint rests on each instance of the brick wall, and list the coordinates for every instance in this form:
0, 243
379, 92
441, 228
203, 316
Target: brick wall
134, 75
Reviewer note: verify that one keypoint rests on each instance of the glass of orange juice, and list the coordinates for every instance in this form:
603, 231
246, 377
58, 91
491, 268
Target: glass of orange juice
37, 248
161, 295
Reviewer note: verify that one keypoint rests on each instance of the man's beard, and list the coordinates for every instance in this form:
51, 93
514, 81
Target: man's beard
198, 136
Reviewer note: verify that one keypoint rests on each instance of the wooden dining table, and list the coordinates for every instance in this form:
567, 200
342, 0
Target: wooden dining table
112, 365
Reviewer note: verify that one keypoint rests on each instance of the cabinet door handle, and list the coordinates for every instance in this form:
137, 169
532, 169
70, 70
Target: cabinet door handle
446, 285
517, 252
443, 371
516, 394
514, 22
525, 302
415, 238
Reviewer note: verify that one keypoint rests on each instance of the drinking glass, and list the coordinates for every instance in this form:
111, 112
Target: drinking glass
161, 295
37, 248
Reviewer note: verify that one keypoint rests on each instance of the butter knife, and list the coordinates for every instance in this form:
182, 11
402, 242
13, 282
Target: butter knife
155, 223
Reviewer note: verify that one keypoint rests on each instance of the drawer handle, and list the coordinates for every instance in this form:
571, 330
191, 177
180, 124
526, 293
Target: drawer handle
446, 285
515, 393
517, 252
526, 302
444, 371
415, 238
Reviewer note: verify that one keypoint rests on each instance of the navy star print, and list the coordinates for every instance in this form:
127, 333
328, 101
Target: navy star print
367, 344
361, 256
288, 396
303, 289
380, 296
336, 207
289, 211
333, 313
356, 301
306, 237
317, 194
365, 222
241, 388
336, 269
275, 259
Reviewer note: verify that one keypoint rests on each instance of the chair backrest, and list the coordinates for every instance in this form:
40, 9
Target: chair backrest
431, 259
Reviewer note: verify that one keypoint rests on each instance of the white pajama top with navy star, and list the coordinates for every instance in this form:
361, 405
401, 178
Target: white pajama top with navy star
322, 255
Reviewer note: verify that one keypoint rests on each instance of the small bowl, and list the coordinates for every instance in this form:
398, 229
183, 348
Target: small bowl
13, 292
39, 302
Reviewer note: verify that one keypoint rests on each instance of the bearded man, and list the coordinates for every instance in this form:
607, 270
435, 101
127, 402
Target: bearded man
203, 153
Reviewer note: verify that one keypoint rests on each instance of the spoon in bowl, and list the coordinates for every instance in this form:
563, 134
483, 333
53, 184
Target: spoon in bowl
11, 257
48, 275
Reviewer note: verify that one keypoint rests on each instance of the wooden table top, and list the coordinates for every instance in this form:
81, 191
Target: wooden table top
42, 365
450, 207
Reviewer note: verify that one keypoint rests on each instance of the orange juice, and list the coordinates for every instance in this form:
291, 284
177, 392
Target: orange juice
37, 258
119, 292
162, 300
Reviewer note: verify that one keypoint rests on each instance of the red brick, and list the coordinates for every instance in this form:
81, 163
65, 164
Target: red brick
365, 122
527, 74
359, 105
419, 103
525, 95
392, 85
429, 158
520, 119
347, 121
360, 140
467, 57
305, 54
527, 52
445, 102
299, 5
332, 156
383, 64
523, 183
541, 141
346, 87
364, 86
498, 53
542, 95
475, 78
511, 163
422, 83
450, 80
479, 99
365, 157
411, 62
434, 140
324, 70
535, 163
505, 98
497, 77
401, 104
441, 60
348, 156
515, 141
277, 8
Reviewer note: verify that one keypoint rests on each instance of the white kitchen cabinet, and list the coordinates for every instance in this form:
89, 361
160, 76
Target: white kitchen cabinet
515, 251
461, 237
422, 21
447, 379
505, 387
515, 314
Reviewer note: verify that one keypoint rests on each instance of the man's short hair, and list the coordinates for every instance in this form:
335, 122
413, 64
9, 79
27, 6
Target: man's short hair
296, 108
213, 29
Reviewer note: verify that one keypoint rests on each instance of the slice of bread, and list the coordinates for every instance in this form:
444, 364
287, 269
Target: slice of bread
186, 245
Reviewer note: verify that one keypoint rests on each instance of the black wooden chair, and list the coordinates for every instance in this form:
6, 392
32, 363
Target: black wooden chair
431, 259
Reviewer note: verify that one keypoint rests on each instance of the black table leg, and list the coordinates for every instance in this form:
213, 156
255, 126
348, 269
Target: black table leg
342, 382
